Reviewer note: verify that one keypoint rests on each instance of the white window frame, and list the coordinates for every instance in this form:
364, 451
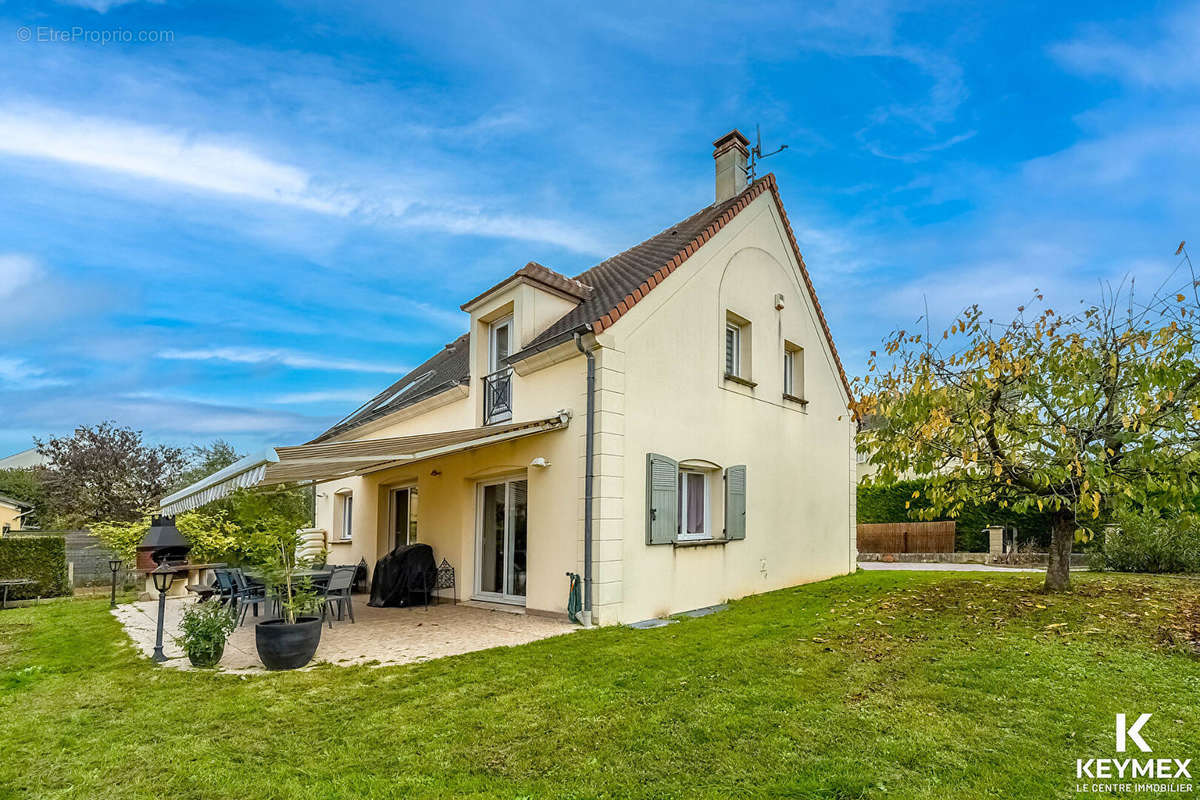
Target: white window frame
736, 347
682, 534
344, 509
793, 371
507, 483
493, 361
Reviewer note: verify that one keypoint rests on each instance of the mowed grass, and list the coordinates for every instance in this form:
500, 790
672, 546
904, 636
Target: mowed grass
879, 684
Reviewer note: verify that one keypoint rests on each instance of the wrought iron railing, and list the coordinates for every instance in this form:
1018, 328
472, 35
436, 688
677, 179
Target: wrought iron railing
497, 396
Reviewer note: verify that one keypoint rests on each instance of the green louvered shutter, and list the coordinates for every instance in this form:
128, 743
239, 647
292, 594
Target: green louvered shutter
735, 502
662, 499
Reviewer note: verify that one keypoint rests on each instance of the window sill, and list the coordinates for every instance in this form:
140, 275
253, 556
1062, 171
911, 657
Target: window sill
699, 542
794, 399
341, 541
740, 380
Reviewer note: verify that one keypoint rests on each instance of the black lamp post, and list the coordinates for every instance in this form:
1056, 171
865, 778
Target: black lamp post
164, 576
115, 565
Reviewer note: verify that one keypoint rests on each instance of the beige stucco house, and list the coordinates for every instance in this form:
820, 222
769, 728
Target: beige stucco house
12, 512
689, 387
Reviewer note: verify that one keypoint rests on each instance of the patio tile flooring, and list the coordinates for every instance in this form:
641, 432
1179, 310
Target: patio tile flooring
383, 635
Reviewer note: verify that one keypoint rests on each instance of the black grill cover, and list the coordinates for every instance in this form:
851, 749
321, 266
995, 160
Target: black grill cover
402, 576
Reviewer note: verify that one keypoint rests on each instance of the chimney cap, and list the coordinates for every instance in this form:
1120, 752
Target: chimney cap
734, 136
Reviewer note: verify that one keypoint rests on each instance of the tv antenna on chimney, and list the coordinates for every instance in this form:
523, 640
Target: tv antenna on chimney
756, 153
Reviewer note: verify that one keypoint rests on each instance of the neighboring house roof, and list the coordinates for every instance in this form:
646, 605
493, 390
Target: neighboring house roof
17, 504
23, 459
612, 287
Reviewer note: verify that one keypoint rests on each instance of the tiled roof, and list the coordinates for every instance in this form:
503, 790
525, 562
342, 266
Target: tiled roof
623, 280
617, 279
450, 367
536, 273
606, 292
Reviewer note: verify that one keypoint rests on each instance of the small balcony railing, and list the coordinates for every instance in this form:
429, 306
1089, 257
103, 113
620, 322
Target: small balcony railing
497, 396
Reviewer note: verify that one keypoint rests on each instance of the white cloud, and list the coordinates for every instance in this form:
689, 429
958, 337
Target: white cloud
333, 395
177, 157
16, 272
162, 418
1171, 61
286, 358
216, 165
103, 6
17, 374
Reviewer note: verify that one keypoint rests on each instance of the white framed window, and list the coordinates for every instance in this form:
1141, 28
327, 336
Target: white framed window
499, 343
737, 347
793, 371
695, 517
733, 348
344, 514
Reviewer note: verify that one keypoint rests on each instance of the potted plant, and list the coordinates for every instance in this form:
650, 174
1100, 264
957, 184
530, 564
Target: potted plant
203, 631
290, 641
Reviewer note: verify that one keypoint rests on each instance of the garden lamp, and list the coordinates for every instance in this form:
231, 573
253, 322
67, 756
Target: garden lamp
163, 576
115, 565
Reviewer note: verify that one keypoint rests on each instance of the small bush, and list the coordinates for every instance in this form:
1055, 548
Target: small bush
1144, 543
42, 559
203, 631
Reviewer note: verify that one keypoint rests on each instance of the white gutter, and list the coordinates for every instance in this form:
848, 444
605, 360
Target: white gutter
242, 473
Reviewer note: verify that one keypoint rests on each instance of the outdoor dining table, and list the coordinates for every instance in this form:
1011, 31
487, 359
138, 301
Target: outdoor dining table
297, 575
6, 583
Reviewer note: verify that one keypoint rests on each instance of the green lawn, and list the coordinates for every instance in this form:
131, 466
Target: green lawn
880, 684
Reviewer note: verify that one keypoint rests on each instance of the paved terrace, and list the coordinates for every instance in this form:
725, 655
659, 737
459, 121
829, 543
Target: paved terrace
380, 635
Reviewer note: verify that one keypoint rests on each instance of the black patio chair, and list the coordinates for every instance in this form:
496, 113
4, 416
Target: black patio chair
246, 595
223, 582
337, 592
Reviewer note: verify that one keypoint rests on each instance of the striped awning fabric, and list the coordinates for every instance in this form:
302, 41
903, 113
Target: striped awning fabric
329, 460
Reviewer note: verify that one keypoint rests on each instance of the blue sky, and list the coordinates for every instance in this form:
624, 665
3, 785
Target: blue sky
248, 230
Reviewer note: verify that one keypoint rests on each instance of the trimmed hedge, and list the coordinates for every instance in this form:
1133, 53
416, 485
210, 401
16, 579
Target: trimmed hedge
886, 504
40, 558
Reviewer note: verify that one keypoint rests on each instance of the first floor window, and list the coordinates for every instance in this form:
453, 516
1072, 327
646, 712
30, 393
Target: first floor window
693, 505
345, 513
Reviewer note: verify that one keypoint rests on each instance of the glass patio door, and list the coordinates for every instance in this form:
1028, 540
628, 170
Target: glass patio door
502, 541
403, 528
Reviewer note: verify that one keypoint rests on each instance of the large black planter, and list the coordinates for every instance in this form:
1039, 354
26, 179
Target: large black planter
284, 646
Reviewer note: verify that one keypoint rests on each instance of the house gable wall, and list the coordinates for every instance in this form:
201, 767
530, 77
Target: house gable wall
675, 400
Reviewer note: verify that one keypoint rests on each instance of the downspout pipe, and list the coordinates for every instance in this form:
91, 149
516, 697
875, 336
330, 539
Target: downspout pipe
589, 475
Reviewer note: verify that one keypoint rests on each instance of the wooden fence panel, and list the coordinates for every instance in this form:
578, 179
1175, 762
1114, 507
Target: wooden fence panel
906, 537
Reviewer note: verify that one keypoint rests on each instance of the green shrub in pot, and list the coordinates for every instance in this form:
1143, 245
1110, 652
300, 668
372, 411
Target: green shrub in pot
204, 629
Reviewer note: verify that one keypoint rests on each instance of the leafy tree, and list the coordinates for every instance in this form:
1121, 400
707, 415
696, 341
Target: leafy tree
1077, 415
122, 538
107, 473
204, 460
28, 484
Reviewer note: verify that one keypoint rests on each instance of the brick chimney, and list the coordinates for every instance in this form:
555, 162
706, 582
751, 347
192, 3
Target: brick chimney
730, 153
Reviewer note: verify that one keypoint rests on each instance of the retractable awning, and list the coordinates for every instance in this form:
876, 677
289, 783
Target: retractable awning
330, 460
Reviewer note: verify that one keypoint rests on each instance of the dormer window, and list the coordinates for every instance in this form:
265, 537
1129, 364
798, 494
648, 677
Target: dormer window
499, 343
497, 384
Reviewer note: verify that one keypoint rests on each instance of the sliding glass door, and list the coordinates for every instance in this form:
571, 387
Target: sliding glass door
502, 541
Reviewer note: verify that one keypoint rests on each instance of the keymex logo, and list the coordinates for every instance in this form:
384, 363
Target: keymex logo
1138, 771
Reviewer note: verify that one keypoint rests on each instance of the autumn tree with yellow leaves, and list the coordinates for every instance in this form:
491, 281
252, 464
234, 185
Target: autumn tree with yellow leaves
1077, 414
